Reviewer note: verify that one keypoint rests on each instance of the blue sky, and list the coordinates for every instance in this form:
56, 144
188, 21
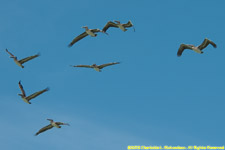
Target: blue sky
152, 98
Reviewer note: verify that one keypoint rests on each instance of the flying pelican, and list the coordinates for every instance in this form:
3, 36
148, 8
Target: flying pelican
51, 125
197, 49
97, 67
118, 25
87, 32
20, 62
28, 98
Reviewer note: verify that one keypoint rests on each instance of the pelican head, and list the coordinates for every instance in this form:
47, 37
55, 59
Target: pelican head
94, 65
21, 95
13, 57
85, 27
117, 21
50, 120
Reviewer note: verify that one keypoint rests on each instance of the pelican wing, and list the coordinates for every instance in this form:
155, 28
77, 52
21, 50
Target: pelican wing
36, 94
44, 129
205, 43
9, 53
61, 123
28, 58
109, 24
21, 88
79, 37
128, 24
182, 48
85, 66
105, 65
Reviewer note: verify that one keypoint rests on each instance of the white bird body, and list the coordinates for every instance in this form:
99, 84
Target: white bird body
55, 125
18, 63
121, 27
90, 33
97, 69
25, 100
197, 50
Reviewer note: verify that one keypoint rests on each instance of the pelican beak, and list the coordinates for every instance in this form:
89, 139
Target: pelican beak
116, 21
105, 32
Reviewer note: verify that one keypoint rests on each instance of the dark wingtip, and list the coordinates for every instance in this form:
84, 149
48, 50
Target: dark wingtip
70, 45
178, 55
47, 89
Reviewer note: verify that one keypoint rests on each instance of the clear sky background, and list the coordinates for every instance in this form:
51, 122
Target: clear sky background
152, 98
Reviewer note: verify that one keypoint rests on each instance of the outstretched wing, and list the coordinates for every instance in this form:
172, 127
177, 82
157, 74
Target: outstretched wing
182, 48
28, 58
79, 37
109, 64
205, 43
36, 94
9, 53
109, 24
85, 66
128, 24
21, 88
61, 123
44, 129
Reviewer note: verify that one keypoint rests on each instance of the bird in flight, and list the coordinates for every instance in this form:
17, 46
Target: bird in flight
28, 98
51, 125
87, 32
97, 67
197, 49
20, 62
118, 25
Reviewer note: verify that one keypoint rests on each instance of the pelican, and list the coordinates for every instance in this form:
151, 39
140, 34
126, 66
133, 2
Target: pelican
87, 32
118, 25
20, 62
97, 67
28, 98
51, 125
197, 49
